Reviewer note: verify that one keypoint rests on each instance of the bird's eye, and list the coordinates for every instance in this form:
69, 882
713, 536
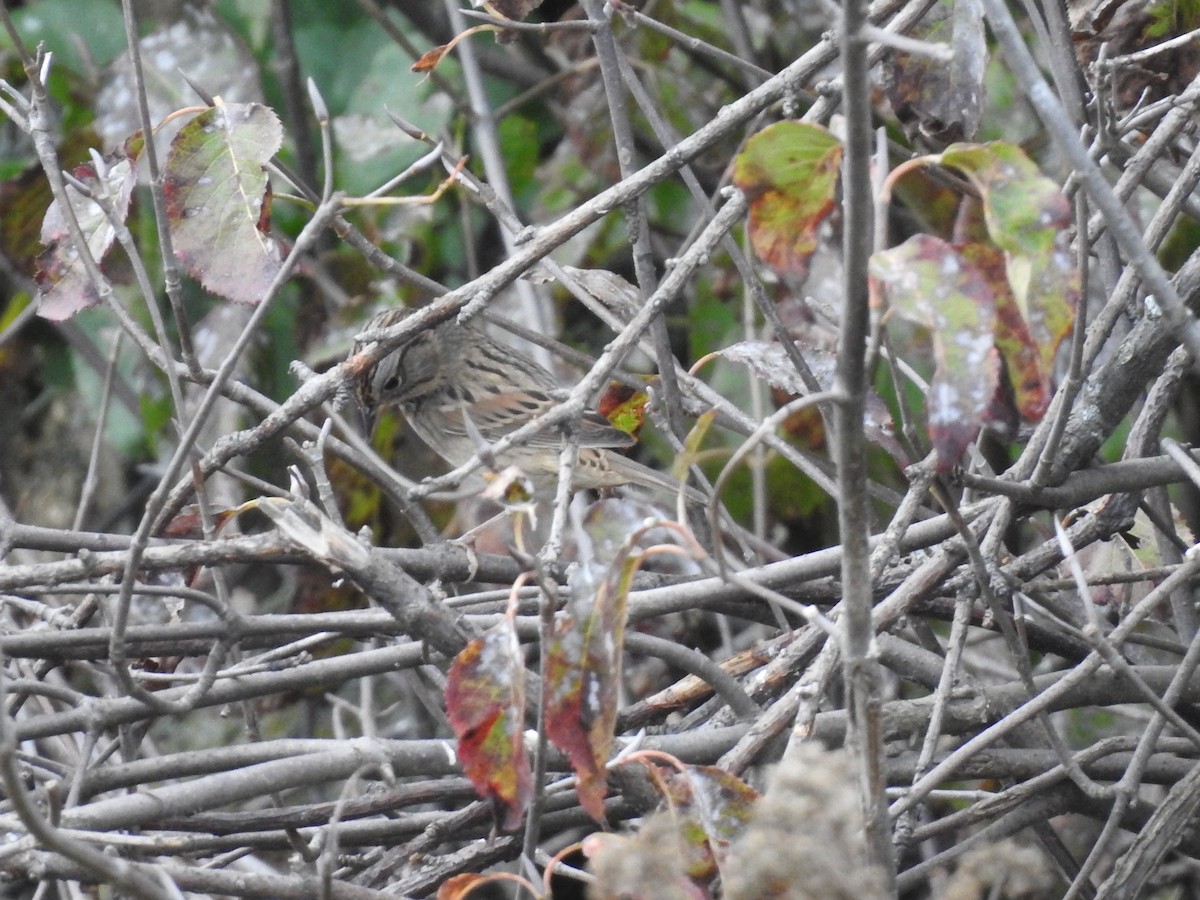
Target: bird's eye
392, 383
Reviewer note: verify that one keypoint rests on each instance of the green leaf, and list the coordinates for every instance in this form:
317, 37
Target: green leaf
711, 321
519, 146
217, 199
81, 33
1170, 18
1029, 218
690, 454
789, 173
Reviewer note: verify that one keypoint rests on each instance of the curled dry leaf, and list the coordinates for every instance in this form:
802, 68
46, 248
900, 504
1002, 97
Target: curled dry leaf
66, 288
934, 97
767, 361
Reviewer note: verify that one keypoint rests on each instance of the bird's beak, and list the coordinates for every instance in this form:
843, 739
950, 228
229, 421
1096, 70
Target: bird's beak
366, 420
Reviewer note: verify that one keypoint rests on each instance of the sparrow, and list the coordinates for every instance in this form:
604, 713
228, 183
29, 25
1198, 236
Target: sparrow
461, 391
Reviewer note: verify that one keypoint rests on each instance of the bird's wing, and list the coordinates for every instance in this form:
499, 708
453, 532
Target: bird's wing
502, 413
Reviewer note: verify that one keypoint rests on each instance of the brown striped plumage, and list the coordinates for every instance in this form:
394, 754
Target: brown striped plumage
455, 386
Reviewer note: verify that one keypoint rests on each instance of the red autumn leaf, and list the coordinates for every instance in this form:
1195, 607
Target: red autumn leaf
583, 674
430, 58
624, 407
1014, 292
931, 282
485, 702
458, 886
188, 524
